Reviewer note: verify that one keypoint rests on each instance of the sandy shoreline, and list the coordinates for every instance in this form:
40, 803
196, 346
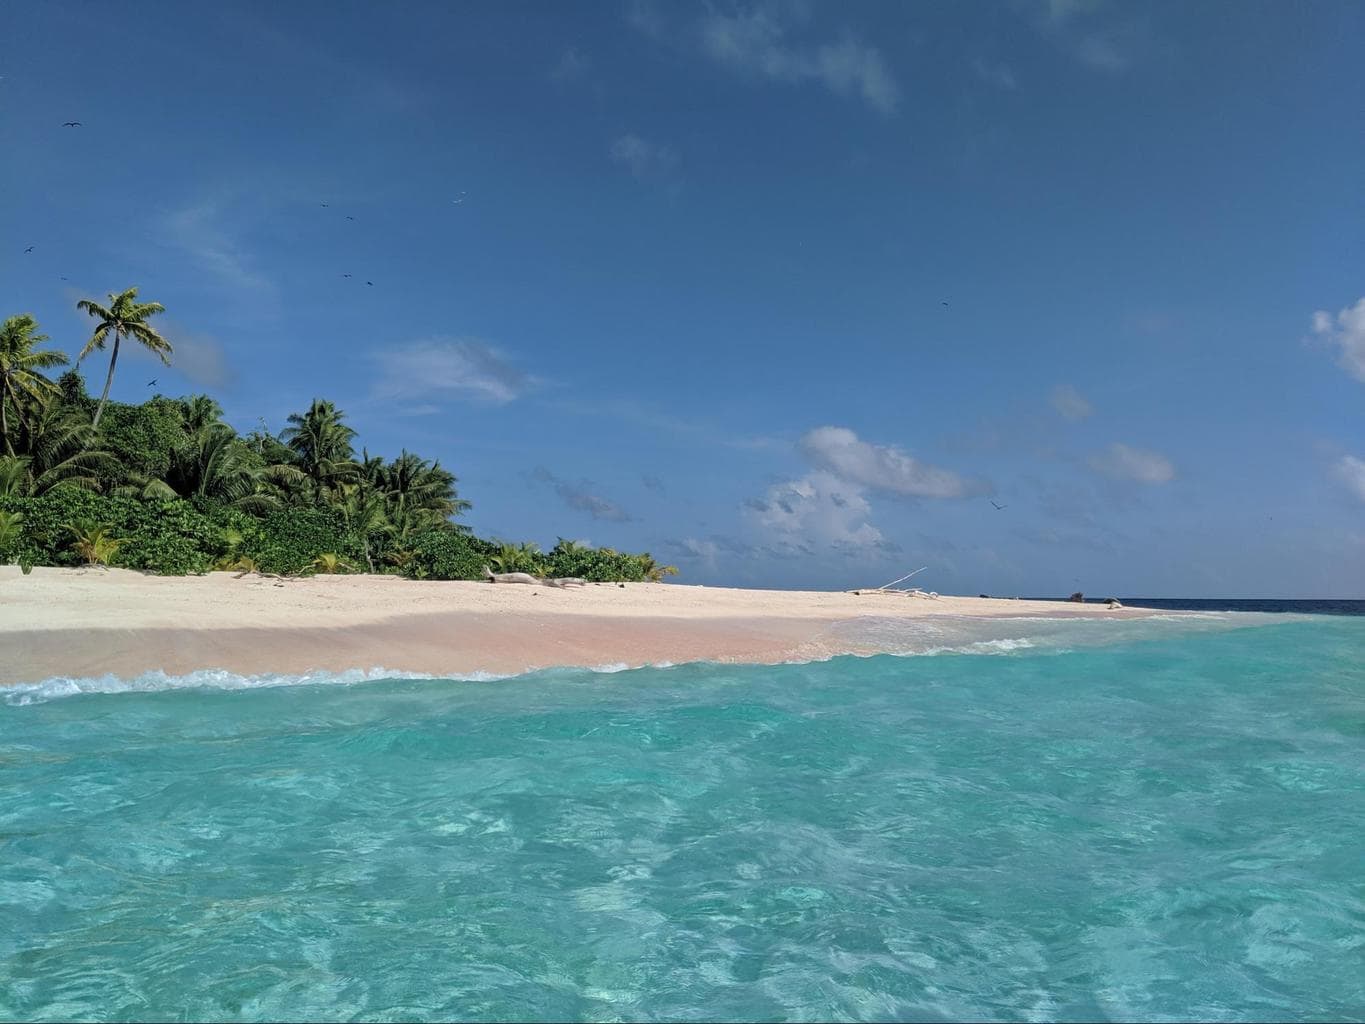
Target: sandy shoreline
89, 622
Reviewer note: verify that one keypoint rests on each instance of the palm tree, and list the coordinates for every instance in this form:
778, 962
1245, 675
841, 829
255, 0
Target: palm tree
215, 463
653, 571
124, 317
519, 558
321, 443
365, 515
198, 412
93, 541
419, 495
19, 366
56, 439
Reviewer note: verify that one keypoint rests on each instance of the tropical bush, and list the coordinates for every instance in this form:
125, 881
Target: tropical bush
10, 522
94, 542
448, 555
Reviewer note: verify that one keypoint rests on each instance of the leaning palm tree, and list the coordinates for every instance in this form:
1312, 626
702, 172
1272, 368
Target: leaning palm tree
20, 380
125, 317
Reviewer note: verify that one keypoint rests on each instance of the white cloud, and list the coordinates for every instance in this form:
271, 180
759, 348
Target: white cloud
705, 551
454, 367
1350, 471
1106, 40
199, 232
998, 75
581, 496
199, 357
571, 67
1101, 52
754, 42
839, 451
643, 158
819, 507
1126, 463
1347, 333
1070, 403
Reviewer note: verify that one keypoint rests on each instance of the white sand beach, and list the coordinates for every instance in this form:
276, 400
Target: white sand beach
89, 622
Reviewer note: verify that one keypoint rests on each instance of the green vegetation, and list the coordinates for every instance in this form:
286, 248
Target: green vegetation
169, 487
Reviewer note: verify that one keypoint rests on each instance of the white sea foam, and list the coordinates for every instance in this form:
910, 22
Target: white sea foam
204, 679
20, 694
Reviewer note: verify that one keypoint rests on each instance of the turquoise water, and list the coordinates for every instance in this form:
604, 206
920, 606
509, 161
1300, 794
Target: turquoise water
1171, 828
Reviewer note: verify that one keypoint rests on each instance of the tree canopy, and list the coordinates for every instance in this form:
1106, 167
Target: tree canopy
169, 486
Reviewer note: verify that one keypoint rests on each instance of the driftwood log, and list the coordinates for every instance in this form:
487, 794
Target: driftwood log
526, 577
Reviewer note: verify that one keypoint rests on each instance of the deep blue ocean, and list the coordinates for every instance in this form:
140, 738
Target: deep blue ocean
1259, 604
1060, 820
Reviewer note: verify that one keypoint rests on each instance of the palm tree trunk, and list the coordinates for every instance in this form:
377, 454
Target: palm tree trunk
4, 425
113, 358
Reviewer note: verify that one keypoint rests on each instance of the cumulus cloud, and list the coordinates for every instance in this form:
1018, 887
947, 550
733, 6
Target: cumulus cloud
1070, 403
581, 496
1350, 472
829, 507
755, 42
1126, 463
1346, 332
818, 507
467, 368
707, 552
839, 451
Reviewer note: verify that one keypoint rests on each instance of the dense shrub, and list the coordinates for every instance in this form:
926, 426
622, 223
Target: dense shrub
289, 540
448, 555
142, 437
171, 538
601, 565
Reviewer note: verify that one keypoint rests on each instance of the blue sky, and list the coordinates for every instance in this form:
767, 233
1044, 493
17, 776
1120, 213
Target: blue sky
788, 294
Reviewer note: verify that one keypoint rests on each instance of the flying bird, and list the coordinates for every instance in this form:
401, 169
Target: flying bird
345, 275
349, 217
29, 249
322, 204
459, 200
370, 283
944, 305
152, 383
63, 279
999, 508
71, 124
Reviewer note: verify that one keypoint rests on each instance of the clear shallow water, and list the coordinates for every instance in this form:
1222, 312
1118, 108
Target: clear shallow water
1165, 829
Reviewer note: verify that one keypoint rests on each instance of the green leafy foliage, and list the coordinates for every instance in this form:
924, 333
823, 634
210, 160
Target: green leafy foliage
94, 542
168, 487
601, 565
287, 541
10, 522
447, 555
141, 437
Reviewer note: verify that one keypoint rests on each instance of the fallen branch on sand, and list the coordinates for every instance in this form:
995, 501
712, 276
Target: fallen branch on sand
525, 577
889, 588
